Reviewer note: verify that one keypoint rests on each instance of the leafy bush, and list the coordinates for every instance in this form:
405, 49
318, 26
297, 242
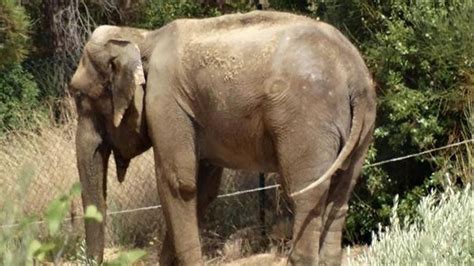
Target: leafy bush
19, 240
13, 249
440, 235
158, 13
421, 55
293, 5
14, 25
18, 99
155, 14
22, 242
18, 91
421, 61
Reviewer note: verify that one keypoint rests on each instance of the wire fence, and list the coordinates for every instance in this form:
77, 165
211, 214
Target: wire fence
146, 160
52, 73
37, 167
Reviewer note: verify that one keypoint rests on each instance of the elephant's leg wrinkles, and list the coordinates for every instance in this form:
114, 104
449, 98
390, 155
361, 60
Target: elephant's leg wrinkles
209, 178
299, 165
307, 226
177, 168
340, 191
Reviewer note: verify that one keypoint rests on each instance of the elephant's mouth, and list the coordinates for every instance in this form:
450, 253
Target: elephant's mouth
122, 165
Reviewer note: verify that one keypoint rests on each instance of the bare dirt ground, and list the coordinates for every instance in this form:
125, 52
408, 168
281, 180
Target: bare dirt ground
271, 259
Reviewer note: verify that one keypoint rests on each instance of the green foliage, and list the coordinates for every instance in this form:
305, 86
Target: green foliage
14, 24
294, 5
18, 99
18, 91
53, 246
15, 239
158, 13
419, 60
59, 208
441, 235
421, 55
93, 213
127, 258
20, 243
155, 14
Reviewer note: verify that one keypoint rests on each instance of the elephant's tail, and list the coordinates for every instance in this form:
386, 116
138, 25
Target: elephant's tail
359, 120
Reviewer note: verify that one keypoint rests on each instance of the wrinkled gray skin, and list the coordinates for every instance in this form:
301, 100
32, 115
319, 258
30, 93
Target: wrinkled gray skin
262, 91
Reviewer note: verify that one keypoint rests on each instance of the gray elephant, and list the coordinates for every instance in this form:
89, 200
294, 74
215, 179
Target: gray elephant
262, 91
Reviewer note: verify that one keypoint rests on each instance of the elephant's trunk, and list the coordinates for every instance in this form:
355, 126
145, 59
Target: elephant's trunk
95, 231
92, 159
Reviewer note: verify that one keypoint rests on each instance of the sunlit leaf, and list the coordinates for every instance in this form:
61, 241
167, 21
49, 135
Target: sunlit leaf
93, 213
127, 258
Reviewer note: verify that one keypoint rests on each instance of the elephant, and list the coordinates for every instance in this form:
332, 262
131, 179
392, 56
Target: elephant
262, 91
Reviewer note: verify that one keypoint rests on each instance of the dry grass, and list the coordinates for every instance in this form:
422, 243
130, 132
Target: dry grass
37, 167
257, 260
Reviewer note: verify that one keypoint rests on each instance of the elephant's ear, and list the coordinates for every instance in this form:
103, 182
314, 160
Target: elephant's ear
127, 76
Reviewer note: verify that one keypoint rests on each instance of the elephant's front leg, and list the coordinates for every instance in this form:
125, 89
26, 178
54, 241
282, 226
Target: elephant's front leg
209, 179
92, 157
176, 166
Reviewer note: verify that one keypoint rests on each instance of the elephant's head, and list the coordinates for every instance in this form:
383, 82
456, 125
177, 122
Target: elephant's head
109, 89
110, 67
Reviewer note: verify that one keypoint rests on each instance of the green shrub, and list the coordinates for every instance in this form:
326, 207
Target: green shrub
420, 62
23, 242
421, 55
14, 240
440, 235
14, 25
293, 5
18, 91
19, 106
158, 13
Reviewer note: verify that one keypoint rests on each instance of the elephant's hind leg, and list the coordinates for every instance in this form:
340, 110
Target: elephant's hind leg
340, 191
302, 162
209, 180
176, 168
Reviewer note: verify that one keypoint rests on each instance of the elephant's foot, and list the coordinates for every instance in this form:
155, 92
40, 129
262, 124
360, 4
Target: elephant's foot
167, 254
298, 259
331, 251
330, 261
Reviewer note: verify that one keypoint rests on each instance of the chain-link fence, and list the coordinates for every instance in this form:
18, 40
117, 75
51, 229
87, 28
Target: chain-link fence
53, 73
